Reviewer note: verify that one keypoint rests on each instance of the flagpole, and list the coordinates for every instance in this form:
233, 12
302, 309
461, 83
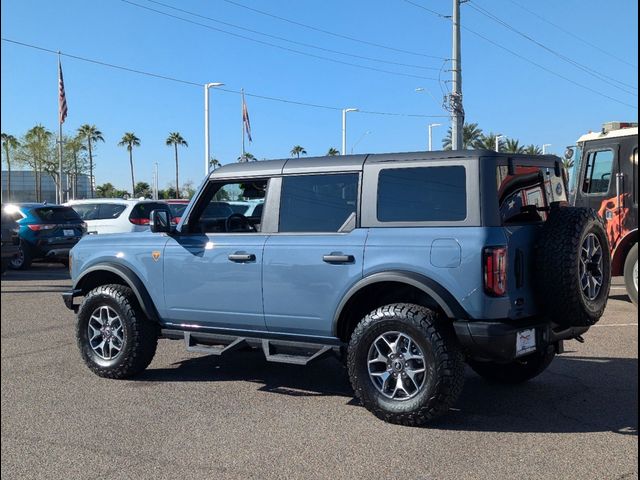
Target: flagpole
60, 198
242, 122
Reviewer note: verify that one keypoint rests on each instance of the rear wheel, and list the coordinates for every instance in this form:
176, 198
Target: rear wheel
404, 364
23, 258
631, 273
518, 371
114, 337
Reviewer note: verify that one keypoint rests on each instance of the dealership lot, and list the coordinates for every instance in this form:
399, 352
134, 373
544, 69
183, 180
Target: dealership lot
193, 415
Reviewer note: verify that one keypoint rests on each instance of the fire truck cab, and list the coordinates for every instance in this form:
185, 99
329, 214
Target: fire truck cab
605, 178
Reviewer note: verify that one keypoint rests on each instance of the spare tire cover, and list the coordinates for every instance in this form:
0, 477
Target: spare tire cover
573, 266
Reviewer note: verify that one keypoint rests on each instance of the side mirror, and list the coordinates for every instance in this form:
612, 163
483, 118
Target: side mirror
160, 221
568, 153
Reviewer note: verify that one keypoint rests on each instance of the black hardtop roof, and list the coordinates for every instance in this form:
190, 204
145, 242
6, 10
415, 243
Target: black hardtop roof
350, 163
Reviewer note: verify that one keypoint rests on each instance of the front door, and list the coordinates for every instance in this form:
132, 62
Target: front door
213, 270
316, 256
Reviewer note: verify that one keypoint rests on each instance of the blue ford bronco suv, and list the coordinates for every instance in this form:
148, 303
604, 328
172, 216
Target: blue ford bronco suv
405, 265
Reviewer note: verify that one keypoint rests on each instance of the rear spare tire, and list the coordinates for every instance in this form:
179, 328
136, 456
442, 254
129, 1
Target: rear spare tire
573, 267
631, 273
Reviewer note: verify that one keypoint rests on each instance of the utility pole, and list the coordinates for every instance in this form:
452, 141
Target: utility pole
455, 98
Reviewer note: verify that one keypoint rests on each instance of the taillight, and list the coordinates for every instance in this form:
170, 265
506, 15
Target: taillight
41, 226
176, 220
139, 221
495, 271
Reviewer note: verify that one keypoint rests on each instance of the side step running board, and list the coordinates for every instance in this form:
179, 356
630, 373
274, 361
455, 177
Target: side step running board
269, 348
281, 351
193, 346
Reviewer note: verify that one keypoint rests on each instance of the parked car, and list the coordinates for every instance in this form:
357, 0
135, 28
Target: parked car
247, 207
115, 215
45, 231
10, 239
405, 265
177, 207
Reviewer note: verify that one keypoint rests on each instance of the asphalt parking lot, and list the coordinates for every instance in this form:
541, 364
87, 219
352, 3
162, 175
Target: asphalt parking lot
197, 416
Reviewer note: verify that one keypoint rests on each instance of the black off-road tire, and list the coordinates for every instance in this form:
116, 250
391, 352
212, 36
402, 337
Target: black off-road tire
630, 281
23, 259
140, 333
443, 360
518, 371
557, 267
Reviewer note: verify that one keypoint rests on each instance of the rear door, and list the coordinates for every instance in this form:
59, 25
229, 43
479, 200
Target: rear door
101, 217
316, 255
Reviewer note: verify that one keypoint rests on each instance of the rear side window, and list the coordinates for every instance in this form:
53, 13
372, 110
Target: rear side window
422, 194
99, 211
142, 210
56, 214
598, 170
317, 203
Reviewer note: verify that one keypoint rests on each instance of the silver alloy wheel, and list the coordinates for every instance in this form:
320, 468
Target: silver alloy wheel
591, 267
635, 275
106, 333
396, 365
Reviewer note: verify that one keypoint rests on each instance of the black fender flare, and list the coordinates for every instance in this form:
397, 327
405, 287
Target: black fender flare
130, 278
441, 295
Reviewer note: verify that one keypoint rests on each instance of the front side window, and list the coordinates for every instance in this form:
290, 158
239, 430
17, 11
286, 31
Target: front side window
318, 203
598, 170
216, 214
422, 194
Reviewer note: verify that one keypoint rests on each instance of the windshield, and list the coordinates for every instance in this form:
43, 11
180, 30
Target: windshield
574, 172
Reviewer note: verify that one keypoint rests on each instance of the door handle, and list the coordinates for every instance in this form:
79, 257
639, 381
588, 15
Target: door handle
242, 257
338, 258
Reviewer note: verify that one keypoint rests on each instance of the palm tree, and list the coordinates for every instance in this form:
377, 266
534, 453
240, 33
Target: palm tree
333, 152
532, 150
130, 140
9, 142
176, 139
297, 151
36, 146
471, 133
513, 146
247, 157
214, 163
91, 134
486, 142
74, 146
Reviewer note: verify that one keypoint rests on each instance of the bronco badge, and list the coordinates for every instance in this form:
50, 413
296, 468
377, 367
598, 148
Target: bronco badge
155, 255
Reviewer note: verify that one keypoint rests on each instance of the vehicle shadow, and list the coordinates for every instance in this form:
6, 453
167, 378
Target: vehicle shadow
622, 298
576, 394
38, 272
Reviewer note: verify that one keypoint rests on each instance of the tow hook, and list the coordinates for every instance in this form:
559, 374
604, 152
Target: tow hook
579, 338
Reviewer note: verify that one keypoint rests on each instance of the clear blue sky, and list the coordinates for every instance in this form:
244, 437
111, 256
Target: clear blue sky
502, 92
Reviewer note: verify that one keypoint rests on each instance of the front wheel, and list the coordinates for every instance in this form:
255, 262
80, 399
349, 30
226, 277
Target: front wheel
114, 337
517, 371
631, 274
404, 364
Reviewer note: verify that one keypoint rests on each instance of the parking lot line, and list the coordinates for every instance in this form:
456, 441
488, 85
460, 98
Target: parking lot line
618, 325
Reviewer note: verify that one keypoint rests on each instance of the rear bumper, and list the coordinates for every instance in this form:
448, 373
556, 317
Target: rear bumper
496, 341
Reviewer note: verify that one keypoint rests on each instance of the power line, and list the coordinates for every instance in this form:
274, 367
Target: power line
548, 70
200, 84
438, 14
362, 57
327, 32
262, 42
584, 68
571, 34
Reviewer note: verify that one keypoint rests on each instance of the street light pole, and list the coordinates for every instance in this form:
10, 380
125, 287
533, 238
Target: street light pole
431, 125
498, 137
344, 128
455, 98
544, 148
206, 124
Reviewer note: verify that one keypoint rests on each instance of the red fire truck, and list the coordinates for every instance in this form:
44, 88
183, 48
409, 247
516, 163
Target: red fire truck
605, 178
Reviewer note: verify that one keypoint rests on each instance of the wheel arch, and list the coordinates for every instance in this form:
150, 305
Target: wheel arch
619, 254
382, 288
112, 273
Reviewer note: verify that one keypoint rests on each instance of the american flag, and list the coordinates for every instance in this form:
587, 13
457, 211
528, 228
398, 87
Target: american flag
245, 118
62, 98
